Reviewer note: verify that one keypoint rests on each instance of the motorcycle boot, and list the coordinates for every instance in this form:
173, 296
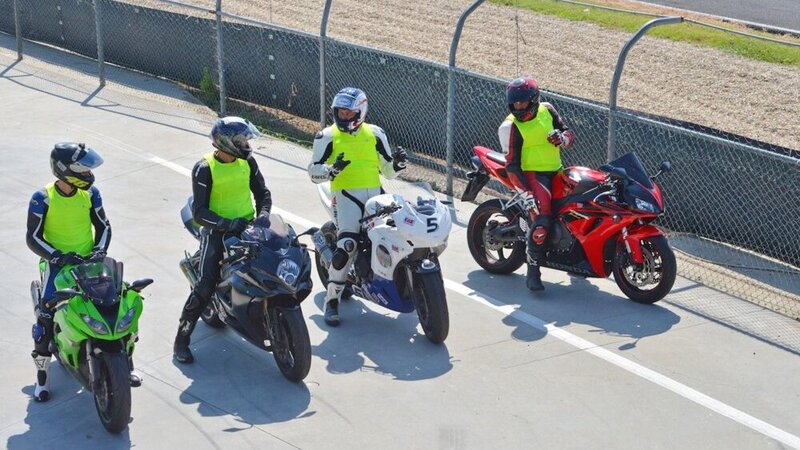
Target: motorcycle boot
181, 347
41, 391
332, 303
534, 278
135, 379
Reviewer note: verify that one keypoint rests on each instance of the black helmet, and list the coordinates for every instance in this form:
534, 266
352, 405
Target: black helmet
230, 134
521, 90
72, 163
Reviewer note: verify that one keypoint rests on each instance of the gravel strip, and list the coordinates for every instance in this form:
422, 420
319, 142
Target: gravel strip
676, 80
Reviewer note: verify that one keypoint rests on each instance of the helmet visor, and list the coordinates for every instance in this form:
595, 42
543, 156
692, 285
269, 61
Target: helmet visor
344, 101
251, 131
86, 162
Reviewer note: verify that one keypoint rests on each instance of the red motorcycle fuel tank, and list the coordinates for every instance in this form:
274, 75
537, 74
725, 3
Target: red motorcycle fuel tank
576, 180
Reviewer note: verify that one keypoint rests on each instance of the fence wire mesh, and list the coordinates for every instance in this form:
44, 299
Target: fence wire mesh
729, 198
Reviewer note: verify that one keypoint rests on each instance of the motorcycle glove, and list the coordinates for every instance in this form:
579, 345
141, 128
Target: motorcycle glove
399, 159
262, 221
338, 166
97, 255
64, 259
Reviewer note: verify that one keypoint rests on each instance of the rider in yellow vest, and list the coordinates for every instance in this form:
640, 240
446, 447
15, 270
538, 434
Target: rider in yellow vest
350, 154
222, 183
532, 137
61, 219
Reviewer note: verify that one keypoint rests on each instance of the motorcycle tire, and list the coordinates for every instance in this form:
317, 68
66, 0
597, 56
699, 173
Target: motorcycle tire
502, 263
211, 317
112, 392
659, 259
431, 304
291, 346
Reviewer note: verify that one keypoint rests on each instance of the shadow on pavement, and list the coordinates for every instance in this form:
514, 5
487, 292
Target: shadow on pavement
393, 345
577, 302
232, 377
68, 421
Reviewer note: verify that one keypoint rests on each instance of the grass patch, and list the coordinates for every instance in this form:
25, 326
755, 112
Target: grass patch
743, 46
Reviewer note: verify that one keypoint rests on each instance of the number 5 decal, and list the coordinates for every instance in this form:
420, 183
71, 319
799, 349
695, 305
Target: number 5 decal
432, 225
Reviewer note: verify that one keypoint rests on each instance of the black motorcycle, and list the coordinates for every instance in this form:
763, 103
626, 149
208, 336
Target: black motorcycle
263, 279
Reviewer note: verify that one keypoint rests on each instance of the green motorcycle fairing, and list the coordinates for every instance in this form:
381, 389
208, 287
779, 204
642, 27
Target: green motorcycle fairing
80, 318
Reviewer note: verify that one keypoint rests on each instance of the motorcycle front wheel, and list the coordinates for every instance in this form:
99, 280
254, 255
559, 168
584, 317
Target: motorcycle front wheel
654, 279
494, 256
291, 346
112, 392
431, 303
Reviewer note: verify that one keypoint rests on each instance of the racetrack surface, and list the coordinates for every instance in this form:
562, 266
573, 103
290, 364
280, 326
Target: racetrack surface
576, 367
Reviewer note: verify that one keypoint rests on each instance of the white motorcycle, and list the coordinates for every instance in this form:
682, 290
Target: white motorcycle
396, 264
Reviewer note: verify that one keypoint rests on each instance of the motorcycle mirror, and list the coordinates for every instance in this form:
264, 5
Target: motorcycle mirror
666, 166
310, 231
140, 284
64, 294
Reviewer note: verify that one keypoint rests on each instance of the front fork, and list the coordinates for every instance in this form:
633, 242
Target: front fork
633, 241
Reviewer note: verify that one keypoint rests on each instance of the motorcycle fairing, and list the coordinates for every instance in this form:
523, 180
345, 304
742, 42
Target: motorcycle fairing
384, 292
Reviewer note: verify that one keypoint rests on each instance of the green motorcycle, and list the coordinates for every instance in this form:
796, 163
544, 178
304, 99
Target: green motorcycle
94, 332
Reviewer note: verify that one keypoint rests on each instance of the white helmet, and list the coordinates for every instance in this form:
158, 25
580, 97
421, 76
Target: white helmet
352, 99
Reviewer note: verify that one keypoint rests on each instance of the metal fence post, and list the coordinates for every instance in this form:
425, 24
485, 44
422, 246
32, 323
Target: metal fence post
220, 60
98, 31
451, 92
18, 31
323, 29
612, 96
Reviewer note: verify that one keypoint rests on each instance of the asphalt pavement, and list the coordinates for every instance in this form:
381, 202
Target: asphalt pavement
776, 13
578, 366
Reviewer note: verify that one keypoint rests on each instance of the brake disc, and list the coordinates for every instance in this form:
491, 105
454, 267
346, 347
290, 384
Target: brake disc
647, 274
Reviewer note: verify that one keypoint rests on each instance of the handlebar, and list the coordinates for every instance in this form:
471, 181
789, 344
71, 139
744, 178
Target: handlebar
239, 251
386, 210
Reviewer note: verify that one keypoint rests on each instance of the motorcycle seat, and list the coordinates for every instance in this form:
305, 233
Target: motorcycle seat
497, 157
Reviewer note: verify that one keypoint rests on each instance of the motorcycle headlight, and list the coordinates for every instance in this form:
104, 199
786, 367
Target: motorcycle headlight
126, 320
288, 271
644, 206
96, 326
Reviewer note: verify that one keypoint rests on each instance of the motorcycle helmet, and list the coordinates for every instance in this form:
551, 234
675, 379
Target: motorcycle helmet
72, 163
353, 100
231, 135
523, 89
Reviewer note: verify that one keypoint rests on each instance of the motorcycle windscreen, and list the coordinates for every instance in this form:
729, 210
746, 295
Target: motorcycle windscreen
633, 166
100, 281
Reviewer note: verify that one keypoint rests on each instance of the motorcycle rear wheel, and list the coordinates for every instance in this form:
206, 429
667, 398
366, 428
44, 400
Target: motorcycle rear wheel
291, 346
494, 257
431, 303
112, 392
657, 273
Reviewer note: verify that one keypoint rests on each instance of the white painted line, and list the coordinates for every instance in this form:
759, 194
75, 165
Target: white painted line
684, 391
632, 367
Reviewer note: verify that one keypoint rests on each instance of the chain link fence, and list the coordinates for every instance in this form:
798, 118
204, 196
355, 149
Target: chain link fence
729, 198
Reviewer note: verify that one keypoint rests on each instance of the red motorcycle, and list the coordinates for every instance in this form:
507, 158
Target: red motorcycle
601, 225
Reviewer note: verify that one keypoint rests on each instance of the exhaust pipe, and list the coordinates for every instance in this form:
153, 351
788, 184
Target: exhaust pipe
322, 247
188, 271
